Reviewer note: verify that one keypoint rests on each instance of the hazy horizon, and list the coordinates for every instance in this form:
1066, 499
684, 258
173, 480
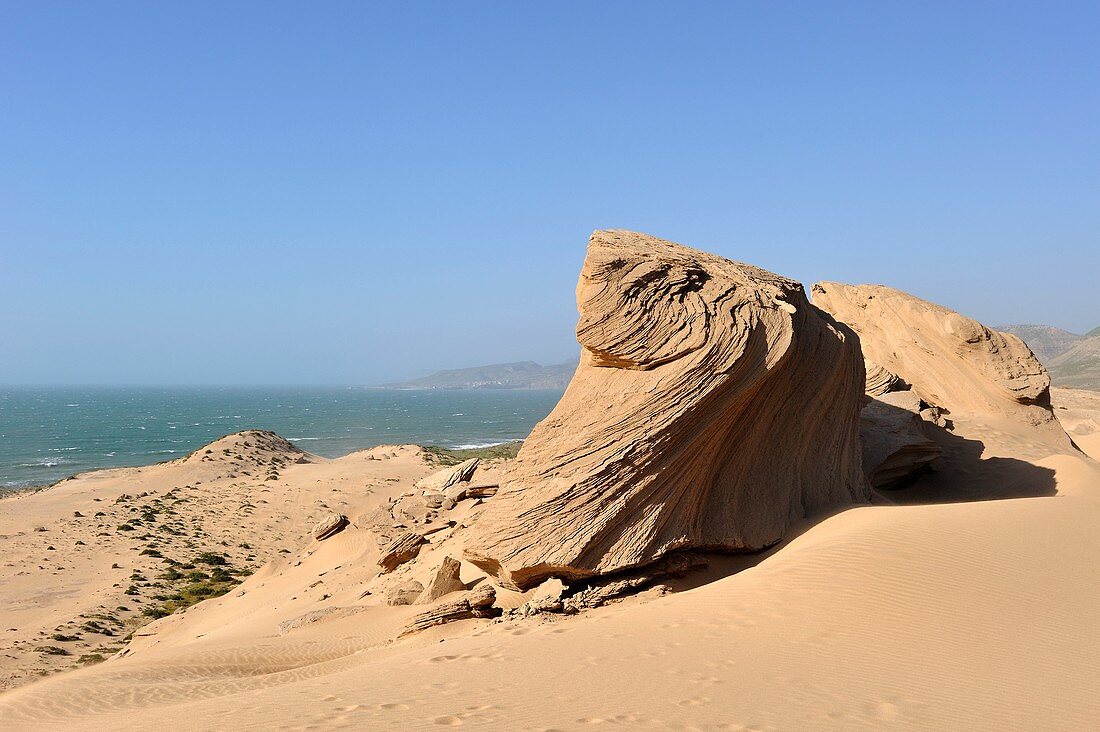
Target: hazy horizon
349, 194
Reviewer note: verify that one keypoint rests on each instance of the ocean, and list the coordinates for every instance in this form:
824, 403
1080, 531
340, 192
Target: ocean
47, 434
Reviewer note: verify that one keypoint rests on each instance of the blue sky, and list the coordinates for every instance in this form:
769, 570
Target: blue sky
345, 193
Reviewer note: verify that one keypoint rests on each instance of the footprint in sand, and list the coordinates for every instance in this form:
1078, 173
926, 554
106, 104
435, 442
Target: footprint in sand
447, 721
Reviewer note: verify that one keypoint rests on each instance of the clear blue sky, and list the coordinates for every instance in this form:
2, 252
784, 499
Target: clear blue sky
345, 193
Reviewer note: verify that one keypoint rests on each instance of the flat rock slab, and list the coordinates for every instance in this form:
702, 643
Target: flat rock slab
447, 477
478, 603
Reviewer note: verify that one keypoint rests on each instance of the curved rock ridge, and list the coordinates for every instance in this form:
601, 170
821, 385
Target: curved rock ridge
713, 406
880, 381
950, 360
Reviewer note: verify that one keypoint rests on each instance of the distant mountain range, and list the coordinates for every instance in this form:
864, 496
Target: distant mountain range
1072, 360
521, 375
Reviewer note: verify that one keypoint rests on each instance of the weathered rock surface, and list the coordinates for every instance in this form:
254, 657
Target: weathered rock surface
330, 525
433, 499
879, 381
404, 593
412, 509
951, 361
895, 447
482, 490
402, 549
713, 406
603, 590
444, 582
447, 477
477, 603
456, 492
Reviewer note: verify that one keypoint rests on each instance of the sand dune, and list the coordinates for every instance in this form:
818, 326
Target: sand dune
975, 615
87, 578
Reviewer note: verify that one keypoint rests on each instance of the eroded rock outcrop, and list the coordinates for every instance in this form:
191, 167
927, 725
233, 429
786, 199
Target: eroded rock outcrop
445, 581
895, 448
330, 525
713, 406
403, 548
879, 381
477, 603
445, 478
404, 593
951, 362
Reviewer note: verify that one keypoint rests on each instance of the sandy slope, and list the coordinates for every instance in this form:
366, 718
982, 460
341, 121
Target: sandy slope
963, 615
1079, 412
218, 499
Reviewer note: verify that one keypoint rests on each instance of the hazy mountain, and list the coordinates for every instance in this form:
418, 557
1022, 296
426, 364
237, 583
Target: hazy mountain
521, 375
1079, 367
1046, 341
1072, 360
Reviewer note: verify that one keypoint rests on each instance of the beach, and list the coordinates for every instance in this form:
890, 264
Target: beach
904, 616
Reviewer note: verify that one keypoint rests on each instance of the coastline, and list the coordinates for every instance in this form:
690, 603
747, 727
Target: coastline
52, 435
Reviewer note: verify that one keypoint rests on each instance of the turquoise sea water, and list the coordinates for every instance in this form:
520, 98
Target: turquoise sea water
47, 434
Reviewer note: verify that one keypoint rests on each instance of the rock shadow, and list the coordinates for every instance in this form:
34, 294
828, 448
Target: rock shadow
960, 474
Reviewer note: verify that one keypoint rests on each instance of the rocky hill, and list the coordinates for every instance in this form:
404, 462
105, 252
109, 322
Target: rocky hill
1072, 360
1046, 341
1079, 367
521, 375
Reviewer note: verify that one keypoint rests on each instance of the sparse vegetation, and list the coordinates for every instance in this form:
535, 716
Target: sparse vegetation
211, 558
445, 457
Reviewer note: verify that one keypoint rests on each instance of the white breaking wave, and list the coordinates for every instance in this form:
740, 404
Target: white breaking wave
46, 463
478, 445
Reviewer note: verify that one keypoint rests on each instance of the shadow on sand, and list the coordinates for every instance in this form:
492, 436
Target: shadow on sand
960, 474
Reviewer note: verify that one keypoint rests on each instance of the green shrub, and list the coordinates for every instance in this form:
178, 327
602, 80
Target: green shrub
211, 558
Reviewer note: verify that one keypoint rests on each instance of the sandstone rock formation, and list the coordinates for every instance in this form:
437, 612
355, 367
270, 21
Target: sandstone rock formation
879, 381
330, 525
482, 489
951, 361
445, 581
895, 447
713, 406
404, 593
477, 603
444, 479
402, 549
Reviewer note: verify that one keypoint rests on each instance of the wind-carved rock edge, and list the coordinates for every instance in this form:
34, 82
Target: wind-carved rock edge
713, 407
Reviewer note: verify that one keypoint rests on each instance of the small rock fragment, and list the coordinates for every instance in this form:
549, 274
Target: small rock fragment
332, 524
404, 593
